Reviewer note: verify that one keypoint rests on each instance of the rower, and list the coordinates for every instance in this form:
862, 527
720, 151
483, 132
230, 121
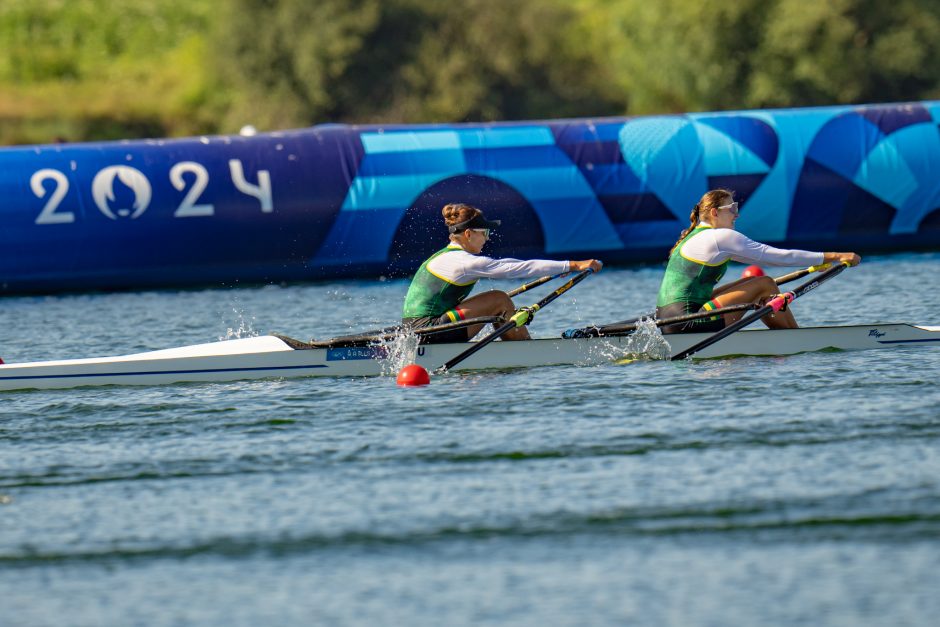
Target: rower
700, 258
439, 289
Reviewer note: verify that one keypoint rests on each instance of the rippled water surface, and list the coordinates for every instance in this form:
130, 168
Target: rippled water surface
788, 491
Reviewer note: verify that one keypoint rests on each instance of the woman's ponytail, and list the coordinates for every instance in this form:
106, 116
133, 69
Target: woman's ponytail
693, 222
710, 200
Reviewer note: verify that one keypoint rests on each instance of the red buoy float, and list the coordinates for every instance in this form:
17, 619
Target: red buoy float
752, 271
413, 375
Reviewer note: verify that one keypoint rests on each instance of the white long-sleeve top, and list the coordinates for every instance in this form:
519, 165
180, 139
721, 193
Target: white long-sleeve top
461, 267
715, 245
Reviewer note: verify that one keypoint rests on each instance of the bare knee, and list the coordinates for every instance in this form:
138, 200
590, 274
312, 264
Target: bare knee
762, 287
766, 284
499, 301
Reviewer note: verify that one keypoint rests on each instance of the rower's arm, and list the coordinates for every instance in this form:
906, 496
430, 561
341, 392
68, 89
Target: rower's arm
489, 268
743, 249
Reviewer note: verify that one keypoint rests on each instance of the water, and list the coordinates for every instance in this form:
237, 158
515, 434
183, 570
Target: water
785, 491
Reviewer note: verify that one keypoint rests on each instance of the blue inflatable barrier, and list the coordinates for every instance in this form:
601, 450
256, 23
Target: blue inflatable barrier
340, 201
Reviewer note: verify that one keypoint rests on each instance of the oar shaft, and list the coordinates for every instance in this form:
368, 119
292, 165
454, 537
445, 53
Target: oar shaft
521, 317
611, 329
390, 333
799, 274
786, 278
773, 305
625, 326
533, 284
561, 290
477, 346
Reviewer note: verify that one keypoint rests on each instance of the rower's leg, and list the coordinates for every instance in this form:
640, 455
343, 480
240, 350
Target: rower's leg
752, 290
492, 303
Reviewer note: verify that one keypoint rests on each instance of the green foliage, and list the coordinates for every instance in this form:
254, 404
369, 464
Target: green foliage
92, 69
95, 69
844, 51
490, 60
407, 61
675, 55
287, 61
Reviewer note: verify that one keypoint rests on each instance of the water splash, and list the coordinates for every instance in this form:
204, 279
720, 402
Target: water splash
400, 351
244, 327
648, 341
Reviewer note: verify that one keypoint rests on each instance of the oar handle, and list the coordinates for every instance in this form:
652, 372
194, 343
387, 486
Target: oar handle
773, 305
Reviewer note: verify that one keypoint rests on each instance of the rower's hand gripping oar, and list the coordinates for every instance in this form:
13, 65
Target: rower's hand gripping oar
775, 304
535, 283
522, 316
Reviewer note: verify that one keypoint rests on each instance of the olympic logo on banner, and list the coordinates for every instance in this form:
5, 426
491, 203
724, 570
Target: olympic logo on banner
121, 190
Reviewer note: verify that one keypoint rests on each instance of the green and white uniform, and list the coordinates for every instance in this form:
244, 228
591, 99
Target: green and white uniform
700, 260
432, 294
689, 280
448, 276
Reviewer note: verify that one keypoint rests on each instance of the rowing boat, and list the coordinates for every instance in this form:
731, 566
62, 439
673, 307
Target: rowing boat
272, 356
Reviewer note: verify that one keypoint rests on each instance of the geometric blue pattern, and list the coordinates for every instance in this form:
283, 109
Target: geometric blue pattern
338, 200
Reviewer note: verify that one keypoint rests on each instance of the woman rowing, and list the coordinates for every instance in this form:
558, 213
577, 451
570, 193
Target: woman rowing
699, 260
439, 289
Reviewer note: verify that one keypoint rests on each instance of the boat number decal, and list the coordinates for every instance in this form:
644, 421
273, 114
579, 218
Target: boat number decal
120, 191
420, 351
356, 352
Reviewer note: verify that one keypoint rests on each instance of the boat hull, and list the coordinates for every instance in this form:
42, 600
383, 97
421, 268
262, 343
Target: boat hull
270, 357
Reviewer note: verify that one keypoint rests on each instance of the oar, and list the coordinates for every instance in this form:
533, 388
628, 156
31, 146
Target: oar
786, 278
535, 283
773, 305
621, 328
390, 333
799, 274
521, 317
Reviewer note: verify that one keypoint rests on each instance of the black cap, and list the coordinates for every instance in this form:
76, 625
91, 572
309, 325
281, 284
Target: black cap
476, 222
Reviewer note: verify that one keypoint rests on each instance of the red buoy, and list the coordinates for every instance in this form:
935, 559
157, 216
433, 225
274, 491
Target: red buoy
413, 375
752, 271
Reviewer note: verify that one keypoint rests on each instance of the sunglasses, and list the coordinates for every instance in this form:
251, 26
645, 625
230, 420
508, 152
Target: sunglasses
733, 208
484, 232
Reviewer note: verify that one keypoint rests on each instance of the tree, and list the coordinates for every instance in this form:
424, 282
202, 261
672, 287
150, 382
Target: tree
848, 51
408, 61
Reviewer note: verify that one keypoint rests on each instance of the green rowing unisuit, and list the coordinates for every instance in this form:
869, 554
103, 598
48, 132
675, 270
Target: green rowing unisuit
430, 295
688, 281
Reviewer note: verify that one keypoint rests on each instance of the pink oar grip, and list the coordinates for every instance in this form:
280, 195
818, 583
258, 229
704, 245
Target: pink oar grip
779, 301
